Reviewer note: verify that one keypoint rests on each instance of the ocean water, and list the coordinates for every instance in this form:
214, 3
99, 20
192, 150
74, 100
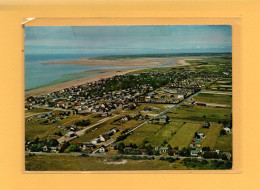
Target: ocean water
38, 75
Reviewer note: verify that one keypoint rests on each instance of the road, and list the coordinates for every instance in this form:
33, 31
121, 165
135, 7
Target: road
82, 132
36, 114
53, 109
161, 114
114, 155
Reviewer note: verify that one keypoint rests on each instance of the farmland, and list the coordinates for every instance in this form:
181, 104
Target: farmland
200, 113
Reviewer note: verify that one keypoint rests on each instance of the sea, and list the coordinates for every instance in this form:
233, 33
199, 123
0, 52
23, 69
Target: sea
39, 75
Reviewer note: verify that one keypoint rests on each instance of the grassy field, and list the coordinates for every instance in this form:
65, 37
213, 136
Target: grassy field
211, 136
35, 111
200, 113
76, 163
34, 129
143, 133
184, 135
164, 133
105, 127
214, 98
224, 143
140, 108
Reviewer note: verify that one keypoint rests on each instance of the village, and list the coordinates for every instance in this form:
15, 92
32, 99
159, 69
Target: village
148, 112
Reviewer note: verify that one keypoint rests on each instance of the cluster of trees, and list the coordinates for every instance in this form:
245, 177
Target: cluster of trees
37, 145
204, 164
122, 137
83, 123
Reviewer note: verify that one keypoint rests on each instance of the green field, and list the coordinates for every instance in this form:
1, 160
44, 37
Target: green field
211, 136
214, 98
165, 133
77, 163
105, 127
224, 143
141, 134
184, 135
35, 111
200, 113
34, 129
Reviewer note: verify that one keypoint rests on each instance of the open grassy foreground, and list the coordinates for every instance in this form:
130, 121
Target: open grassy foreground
76, 163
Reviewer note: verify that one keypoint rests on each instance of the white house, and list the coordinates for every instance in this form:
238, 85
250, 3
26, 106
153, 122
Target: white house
227, 129
102, 149
95, 141
194, 152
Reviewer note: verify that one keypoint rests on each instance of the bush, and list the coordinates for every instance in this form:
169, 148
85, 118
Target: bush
74, 148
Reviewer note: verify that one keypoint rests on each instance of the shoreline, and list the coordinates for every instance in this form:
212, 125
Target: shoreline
102, 73
56, 87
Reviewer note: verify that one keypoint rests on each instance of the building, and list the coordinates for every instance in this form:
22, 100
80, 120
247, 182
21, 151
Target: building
70, 134
163, 149
95, 141
104, 137
227, 129
194, 152
102, 149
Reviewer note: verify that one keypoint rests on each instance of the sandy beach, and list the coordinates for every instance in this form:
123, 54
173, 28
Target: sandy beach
105, 73
125, 62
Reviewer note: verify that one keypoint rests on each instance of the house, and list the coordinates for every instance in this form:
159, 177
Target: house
201, 135
95, 141
163, 119
102, 149
163, 149
192, 144
194, 152
54, 149
70, 134
156, 148
45, 149
104, 137
115, 129
181, 96
73, 128
227, 129
174, 151
86, 145
206, 125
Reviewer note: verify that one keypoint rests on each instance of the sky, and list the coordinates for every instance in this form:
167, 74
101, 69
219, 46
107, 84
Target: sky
120, 40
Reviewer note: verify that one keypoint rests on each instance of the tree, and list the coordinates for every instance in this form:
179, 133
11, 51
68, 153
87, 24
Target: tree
36, 147
224, 157
169, 151
64, 147
74, 148
121, 147
149, 150
53, 142
222, 132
